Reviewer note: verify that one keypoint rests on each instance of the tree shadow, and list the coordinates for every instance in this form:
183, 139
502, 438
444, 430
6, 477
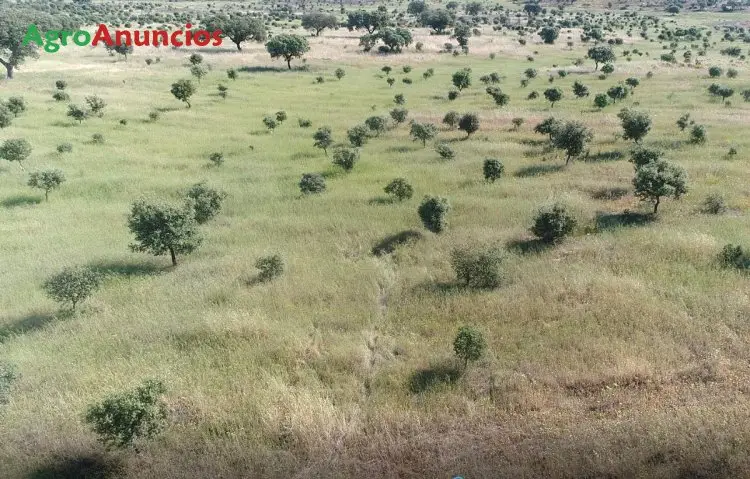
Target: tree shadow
263, 69
613, 193
402, 149
609, 221
426, 379
64, 124
530, 142
165, 109
527, 246
260, 132
90, 466
125, 269
605, 156
444, 288
32, 322
389, 244
20, 200
537, 170
382, 200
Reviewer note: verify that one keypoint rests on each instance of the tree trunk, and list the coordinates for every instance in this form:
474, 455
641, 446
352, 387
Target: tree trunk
289, 63
238, 45
656, 205
46, 195
174, 258
567, 160
8, 68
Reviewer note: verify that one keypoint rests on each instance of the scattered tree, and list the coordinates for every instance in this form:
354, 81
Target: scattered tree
469, 123
493, 169
601, 54
312, 183
77, 113
549, 34
433, 211
205, 201
358, 135
635, 124
553, 95
572, 137
240, 28
46, 180
580, 90
462, 79
376, 124
469, 345
552, 224
16, 149
319, 21
16, 105
399, 115
323, 138
161, 228
423, 132
287, 46
659, 179
183, 90
400, 189
72, 285
345, 157
271, 267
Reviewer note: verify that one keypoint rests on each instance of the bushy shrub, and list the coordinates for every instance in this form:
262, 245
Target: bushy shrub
345, 157
698, 135
61, 96
376, 124
400, 189
451, 119
97, 138
469, 123
61, 85
206, 201
493, 169
714, 204
312, 183
732, 256
304, 123
477, 268
123, 419
399, 115
8, 375
46, 180
271, 267
552, 224
445, 151
96, 105
452, 94
399, 99
469, 344
72, 285
64, 148
433, 211
358, 135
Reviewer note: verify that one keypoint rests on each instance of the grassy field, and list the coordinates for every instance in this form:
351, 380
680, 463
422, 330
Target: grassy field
621, 353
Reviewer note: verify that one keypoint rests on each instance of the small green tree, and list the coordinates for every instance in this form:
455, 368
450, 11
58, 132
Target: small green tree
697, 135
715, 72
345, 157
399, 115
16, 105
659, 179
323, 138
501, 99
123, 420
232, 74
469, 123
72, 285
549, 34
47, 180
601, 101
399, 99
643, 156
580, 90
16, 149
635, 124
553, 95
423, 132
183, 90
160, 229
400, 189
281, 116
96, 105
601, 54
312, 183
462, 79
77, 113
548, 127
552, 224
451, 119
287, 46
493, 169
433, 211
608, 69
618, 92
572, 137
376, 124
270, 122
684, 121
271, 267
469, 345
339, 73
445, 151
205, 201
358, 135
195, 59
198, 72
732, 256
477, 268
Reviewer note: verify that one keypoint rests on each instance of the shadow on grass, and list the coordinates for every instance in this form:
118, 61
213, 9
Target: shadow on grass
610, 194
537, 170
426, 379
389, 244
64, 124
605, 156
403, 149
530, 142
20, 200
527, 246
441, 288
32, 322
382, 200
165, 109
91, 466
609, 221
126, 269
260, 69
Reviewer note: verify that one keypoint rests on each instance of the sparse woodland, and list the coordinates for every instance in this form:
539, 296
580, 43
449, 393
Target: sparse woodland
395, 239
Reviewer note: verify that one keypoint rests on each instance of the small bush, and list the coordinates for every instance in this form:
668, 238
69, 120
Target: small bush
72, 285
452, 95
400, 189
433, 211
345, 157
734, 257
714, 204
469, 345
493, 169
399, 99
153, 116
61, 85
477, 268
271, 267
553, 224
339, 73
698, 135
312, 183
97, 138
217, 158
451, 119
123, 419
205, 201
61, 96
445, 151
64, 148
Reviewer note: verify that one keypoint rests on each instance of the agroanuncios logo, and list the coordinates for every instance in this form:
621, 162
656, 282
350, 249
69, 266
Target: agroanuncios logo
52, 40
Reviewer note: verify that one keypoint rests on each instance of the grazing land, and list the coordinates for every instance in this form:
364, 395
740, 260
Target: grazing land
616, 347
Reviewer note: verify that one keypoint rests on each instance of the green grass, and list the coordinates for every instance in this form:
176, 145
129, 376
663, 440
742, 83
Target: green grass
621, 352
